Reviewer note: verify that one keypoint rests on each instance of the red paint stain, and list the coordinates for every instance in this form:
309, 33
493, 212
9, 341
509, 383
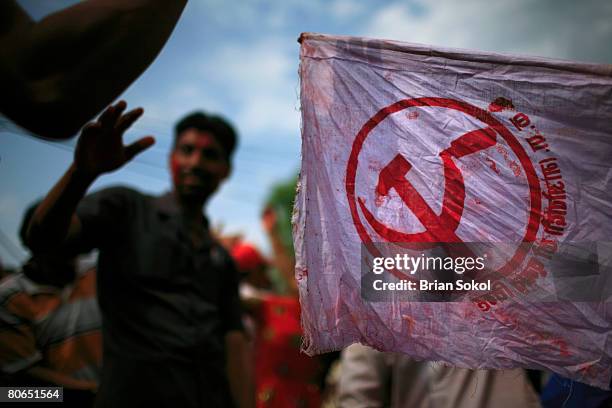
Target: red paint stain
412, 115
501, 104
175, 169
380, 200
409, 323
516, 169
492, 165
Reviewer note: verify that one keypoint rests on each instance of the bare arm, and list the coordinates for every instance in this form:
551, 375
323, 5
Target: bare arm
55, 377
283, 260
66, 68
240, 369
99, 150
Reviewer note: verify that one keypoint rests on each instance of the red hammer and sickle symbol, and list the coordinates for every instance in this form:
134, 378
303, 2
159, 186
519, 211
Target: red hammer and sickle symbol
440, 228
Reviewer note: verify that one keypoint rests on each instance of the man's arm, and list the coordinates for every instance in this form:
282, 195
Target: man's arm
283, 259
99, 150
66, 68
240, 369
47, 375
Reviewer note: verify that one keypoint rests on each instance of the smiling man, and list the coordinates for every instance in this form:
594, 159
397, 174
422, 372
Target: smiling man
167, 290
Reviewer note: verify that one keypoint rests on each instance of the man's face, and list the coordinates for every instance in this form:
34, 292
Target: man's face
198, 164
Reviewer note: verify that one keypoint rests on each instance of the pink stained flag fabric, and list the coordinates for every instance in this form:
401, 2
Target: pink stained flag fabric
410, 143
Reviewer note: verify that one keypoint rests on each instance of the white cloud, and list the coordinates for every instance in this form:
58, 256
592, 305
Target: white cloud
560, 29
262, 79
344, 9
10, 206
184, 97
249, 14
252, 65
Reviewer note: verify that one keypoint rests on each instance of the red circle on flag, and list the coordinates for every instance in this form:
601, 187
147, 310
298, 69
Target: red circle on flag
475, 112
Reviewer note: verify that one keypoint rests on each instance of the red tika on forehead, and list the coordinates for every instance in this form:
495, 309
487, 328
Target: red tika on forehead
205, 139
174, 168
199, 139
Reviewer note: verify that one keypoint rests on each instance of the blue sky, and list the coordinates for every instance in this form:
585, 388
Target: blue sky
240, 59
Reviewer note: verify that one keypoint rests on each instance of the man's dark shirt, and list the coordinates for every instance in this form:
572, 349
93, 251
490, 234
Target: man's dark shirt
166, 305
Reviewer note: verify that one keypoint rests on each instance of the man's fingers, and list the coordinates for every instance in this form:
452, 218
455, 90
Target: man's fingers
119, 108
106, 114
138, 147
128, 119
110, 115
91, 128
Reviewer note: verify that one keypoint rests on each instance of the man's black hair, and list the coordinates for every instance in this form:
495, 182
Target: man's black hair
221, 129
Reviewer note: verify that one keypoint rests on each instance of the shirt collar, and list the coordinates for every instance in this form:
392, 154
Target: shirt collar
167, 205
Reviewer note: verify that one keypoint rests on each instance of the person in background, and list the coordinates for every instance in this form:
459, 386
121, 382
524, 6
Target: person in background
253, 267
284, 377
370, 378
276, 221
563, 392
167, 290
50, 331
56, 74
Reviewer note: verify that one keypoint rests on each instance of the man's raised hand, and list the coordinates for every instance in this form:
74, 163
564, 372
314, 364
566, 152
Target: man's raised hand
100, 148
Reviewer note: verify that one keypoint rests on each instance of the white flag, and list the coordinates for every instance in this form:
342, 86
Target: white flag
506, 158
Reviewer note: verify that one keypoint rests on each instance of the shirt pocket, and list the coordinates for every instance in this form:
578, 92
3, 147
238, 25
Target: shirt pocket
162, 258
